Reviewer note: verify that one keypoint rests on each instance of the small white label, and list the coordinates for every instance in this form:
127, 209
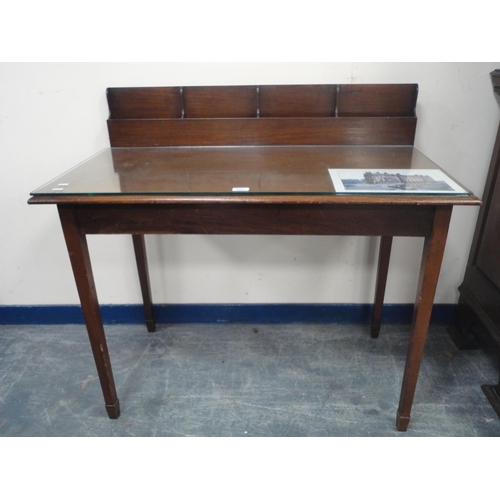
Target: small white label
57, 189
63, 184
241, 189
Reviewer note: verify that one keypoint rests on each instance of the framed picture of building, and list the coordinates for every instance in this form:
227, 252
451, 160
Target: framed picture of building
390, 181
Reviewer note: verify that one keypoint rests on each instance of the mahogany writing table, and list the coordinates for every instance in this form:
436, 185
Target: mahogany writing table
252, 160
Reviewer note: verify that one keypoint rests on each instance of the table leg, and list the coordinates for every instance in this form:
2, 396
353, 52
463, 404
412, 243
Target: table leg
382, 270
429, 273
492, 392
142, 267
82, 270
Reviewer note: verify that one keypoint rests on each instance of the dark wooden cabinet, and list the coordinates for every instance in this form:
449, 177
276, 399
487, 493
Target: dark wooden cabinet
477, 321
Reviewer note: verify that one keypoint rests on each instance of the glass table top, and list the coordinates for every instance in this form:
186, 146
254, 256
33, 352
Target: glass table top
213, 170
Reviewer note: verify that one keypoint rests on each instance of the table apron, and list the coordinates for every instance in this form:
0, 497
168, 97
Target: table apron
265, 219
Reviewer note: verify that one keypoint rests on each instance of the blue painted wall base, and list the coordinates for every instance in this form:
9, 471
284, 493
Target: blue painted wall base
222, 313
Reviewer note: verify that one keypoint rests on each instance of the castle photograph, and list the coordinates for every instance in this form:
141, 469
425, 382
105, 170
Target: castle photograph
401, 181
396, 181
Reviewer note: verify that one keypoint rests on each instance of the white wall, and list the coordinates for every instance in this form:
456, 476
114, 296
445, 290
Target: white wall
53, 116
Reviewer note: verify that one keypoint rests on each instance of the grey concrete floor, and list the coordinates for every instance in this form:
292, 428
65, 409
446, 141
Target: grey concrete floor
240, 380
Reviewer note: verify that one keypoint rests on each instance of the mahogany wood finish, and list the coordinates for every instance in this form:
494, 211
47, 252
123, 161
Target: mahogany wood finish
255, 218
377, 100
84, 278
378, 131
220, 102
295, 101
263, 115
142, 268
478, 316
292, 101
142, 103
382, 271
429, 273
291, 115
408, 220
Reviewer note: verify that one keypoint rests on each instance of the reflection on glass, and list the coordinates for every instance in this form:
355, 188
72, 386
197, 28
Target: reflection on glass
226, 170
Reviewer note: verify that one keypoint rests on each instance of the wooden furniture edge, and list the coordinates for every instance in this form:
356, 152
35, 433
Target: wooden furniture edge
252, 200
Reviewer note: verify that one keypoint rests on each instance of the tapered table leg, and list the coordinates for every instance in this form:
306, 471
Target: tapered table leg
429, 273
492, 392
142, 268
82, 270
382, 271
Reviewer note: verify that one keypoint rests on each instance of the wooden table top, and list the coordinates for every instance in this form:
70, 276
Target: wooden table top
238, 174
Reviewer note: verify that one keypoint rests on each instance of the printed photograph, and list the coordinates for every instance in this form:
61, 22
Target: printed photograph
411, 181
